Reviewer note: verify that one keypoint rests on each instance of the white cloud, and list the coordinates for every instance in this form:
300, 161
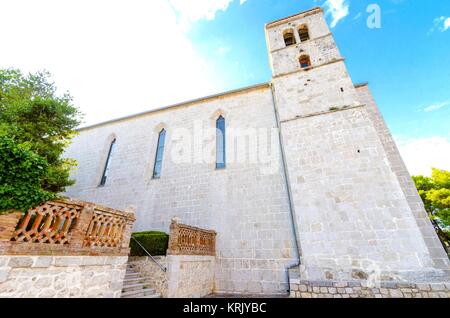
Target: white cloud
194, 10
436, 106
242, 1
115, 57
441, 23
447, 24
338, 9
422, 154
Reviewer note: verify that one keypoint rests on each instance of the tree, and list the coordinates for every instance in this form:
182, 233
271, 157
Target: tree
21, 176
435, 193
35, 117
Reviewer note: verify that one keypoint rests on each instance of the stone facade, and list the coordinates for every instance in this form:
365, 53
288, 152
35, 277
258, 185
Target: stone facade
62, 276
358, 289
352, 205
186, 276
248, 207
438, 254
331, 197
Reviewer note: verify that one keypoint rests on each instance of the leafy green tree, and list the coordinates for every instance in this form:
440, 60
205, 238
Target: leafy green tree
22, 172
34, 115
435, 193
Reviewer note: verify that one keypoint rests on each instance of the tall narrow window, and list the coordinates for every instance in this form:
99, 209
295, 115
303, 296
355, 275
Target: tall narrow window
220, 143
108, 163
305, 61
303, 33
289, 38
159, 155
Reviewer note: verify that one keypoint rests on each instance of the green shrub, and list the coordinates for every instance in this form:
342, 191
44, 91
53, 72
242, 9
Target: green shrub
21, 175
154, 242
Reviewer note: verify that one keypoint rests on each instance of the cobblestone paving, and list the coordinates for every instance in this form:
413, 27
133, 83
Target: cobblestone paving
245, 296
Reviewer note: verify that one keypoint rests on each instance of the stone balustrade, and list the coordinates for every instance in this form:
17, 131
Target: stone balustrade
66, 227
189, 240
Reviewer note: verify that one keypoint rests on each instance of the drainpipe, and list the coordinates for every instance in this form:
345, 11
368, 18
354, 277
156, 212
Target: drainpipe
288, 187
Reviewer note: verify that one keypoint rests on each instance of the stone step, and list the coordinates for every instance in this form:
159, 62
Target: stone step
139, 293
136, 280
152, 296
132, 275
131, 287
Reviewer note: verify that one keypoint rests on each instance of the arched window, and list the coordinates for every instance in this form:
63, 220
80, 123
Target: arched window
220, 143
108, 163
159, 154
305, 61
303, 33
289, 38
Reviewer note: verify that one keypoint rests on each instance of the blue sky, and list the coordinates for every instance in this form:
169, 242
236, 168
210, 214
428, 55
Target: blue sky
408, 68
120, 57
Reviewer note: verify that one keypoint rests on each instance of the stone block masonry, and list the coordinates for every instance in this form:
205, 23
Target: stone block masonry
64, 249
62, 276
247, 207
357, 289
187, 275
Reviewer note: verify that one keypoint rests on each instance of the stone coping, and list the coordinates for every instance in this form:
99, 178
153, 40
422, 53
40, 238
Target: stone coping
59, 261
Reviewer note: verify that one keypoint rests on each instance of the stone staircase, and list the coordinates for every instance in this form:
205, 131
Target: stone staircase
136, 286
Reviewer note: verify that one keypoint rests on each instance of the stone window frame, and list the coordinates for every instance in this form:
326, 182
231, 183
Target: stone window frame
160, 146
105, 158
290, 31
154, 148
305, 56
301, 32
213, 121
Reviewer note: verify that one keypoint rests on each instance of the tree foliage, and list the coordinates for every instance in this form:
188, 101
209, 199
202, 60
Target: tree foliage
435, 193
22, 172
33, 114
36, 126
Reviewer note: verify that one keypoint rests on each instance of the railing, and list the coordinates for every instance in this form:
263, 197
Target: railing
443, 237
48, 223
189, 240
67, 228
150, 255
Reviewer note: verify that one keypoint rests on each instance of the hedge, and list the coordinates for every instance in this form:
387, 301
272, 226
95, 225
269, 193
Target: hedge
154, 242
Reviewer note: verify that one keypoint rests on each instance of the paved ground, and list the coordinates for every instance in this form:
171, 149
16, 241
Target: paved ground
245, 296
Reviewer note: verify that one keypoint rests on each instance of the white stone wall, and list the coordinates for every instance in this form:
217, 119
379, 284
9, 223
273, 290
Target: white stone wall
437, 253
246, 203
320, 52
187, 276
316, 23
353, 217
190, 276
350, 209
306, 93
62, 276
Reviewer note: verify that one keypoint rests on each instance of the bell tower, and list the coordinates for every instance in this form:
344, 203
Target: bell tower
352, 215
307, 67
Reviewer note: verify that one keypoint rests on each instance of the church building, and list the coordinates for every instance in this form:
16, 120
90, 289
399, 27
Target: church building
300, 177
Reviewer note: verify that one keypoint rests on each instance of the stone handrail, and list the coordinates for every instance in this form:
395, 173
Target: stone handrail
66, 227
189, 240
